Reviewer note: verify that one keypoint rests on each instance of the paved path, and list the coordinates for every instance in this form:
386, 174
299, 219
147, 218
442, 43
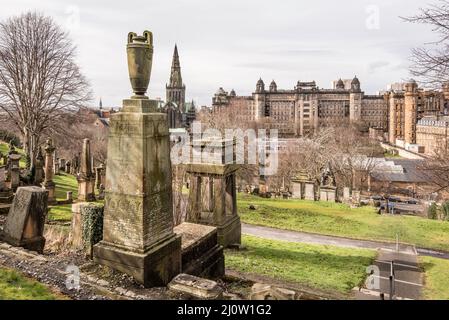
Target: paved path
407, 280
303, 237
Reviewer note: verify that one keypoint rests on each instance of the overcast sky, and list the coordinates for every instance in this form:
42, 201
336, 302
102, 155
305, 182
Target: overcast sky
232, 43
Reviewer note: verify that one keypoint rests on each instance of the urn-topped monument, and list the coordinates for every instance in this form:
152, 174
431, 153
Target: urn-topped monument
138, 236
140, 59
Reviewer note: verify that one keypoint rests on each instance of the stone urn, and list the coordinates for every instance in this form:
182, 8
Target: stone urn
140, 59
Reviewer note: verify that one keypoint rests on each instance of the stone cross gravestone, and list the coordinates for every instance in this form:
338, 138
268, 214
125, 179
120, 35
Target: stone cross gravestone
24, 225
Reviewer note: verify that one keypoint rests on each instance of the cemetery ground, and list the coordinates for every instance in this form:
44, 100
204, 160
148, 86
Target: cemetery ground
340, 220
320, 270
16, 286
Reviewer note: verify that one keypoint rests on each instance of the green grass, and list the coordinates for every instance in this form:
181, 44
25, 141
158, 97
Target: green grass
60, 213
64, 182
316, 266
340, 220
4, 148
14, 286
436, 278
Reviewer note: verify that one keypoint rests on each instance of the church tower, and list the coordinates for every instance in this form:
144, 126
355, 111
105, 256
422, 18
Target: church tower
175, 90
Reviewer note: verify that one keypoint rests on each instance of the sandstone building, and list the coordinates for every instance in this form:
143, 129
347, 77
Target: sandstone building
299, 111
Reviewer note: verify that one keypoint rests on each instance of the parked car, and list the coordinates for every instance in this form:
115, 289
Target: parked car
412, 201
394, 199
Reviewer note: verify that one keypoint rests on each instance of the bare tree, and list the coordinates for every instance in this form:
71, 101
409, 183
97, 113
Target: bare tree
430, 63
39, 79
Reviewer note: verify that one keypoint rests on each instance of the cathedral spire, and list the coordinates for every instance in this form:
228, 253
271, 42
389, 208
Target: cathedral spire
175, 75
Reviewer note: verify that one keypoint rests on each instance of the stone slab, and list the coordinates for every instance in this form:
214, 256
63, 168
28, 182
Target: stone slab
196, 287
24, 225
201, 253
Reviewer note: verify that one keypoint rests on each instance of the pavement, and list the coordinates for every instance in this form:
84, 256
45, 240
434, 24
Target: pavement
407, 282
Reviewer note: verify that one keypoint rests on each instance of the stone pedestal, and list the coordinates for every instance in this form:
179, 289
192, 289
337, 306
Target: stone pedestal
309, 191
138, 237
296, 189
86, 190
48, 183
221, 209
39, 169
328, 194
24, 225
86, 179
14, 169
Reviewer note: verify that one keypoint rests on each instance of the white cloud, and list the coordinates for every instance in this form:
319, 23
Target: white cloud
232, 43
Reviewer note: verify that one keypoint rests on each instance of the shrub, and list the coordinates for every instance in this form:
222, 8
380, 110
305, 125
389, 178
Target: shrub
432, 212
7, 137
445, 211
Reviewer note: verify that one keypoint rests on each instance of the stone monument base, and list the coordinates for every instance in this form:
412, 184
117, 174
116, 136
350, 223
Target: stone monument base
86, 190
50, 187
230, 233
202, 256
156, 267
34, 244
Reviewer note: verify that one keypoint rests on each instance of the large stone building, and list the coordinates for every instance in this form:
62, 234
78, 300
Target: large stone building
407, 104
300, 111
179, 113
432, 134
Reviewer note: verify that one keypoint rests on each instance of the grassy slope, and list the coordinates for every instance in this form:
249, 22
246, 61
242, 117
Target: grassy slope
339, 220
14, 286
436, 278
323, 267
4, 149
64, 183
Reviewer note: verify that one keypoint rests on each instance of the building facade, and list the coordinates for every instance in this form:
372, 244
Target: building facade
407, 104
300, 111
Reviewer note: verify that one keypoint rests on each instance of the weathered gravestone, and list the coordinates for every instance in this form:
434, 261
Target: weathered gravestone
48, 183
86, 179
346, 194
309, 191
39, 168
356, 198
6, 194
14, 170
24, 225
138, 237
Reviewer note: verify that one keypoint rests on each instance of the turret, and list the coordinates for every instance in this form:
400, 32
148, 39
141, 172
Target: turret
260, 86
